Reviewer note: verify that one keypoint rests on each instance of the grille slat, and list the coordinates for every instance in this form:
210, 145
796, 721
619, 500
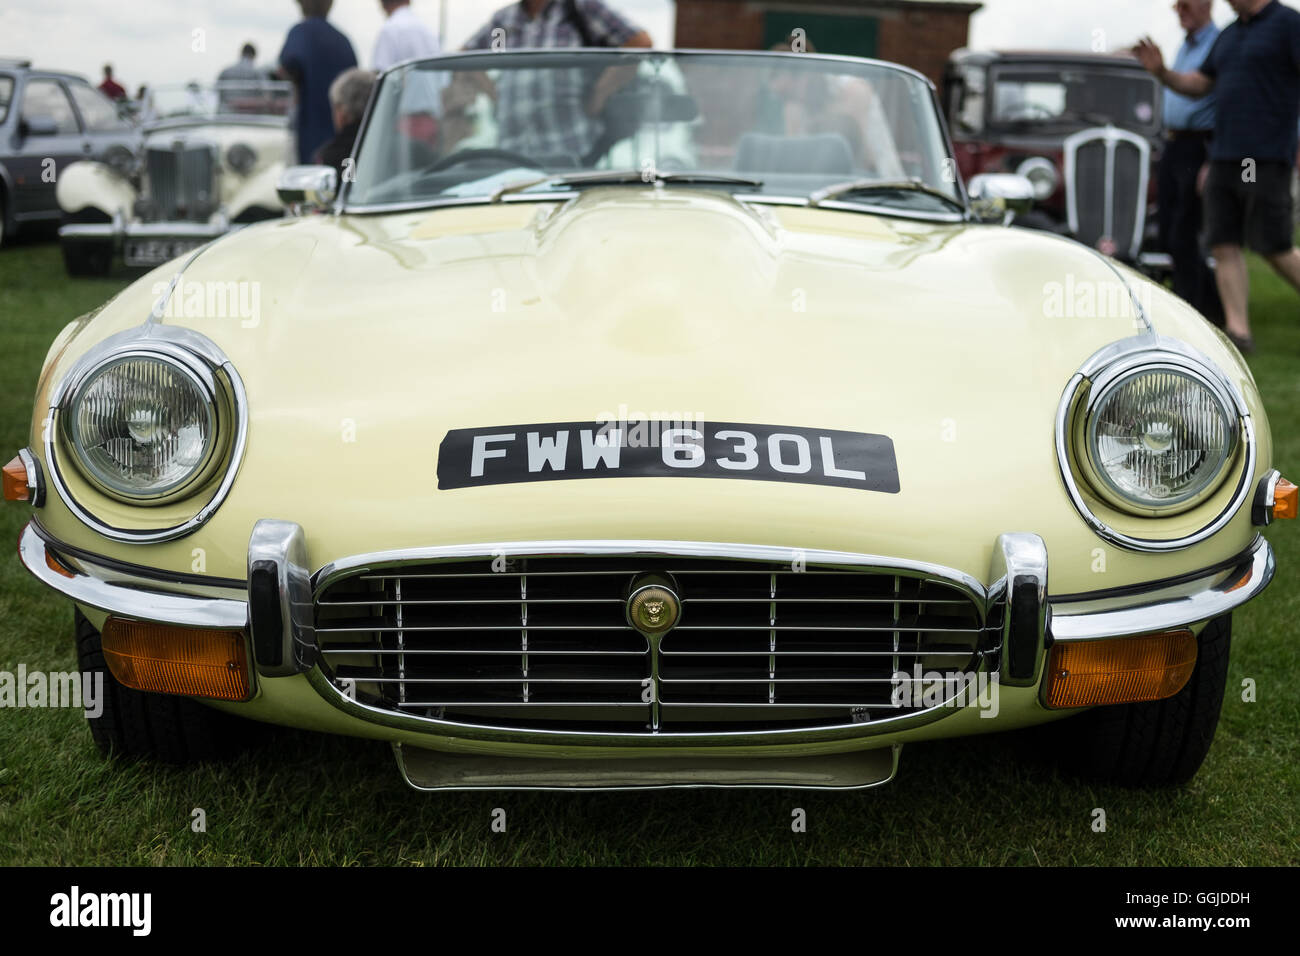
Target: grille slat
546, 639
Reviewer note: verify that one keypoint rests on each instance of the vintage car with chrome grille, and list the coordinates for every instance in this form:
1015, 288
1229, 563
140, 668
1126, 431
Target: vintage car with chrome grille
746, 464
209, 163
1084, 128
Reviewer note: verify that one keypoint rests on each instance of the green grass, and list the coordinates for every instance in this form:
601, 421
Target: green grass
307, 798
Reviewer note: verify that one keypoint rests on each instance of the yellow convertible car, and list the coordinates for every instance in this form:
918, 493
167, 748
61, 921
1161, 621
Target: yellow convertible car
647, 419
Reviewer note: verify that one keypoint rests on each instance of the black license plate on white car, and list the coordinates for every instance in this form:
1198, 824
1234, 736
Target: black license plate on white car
154, 252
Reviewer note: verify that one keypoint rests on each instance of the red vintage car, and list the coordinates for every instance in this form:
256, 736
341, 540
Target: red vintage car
1083, 128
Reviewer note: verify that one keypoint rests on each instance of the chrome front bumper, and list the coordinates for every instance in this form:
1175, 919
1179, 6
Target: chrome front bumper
274, 604
118, 230
147, 244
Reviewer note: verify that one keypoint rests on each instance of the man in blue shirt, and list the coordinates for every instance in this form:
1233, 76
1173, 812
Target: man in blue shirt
1254, 68
314, 54
1189, 126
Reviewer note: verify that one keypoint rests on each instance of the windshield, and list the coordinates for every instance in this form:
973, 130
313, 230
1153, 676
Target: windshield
787, 125
243, 97
1053, 97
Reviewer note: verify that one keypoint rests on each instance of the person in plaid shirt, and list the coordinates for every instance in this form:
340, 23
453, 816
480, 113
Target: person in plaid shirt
542, 113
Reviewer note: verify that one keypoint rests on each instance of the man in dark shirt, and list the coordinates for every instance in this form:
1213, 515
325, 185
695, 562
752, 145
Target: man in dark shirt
314, 54
1254, 70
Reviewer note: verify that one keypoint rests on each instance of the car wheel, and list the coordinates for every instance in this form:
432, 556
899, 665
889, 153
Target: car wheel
83, 259
137, 725
3, 212
1155, 743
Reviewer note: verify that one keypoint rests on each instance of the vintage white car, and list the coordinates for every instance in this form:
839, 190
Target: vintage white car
210, 162
555, 472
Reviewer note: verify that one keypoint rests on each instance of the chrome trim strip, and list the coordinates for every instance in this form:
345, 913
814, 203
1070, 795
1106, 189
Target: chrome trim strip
190, 349
1019, 573
1125, 356
1139, 310
1174, 606
809, 772
284, 643
36, 481
1261, 512
131, 602
633, 53
662, 739
143, 230
652, 549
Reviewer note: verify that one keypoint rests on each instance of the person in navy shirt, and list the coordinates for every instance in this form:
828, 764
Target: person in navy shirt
1189, 126
314, 54
1254, 69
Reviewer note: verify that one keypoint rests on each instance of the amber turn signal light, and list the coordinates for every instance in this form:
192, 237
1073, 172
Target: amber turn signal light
1286, 499
1120, 670
15, 481
166, 659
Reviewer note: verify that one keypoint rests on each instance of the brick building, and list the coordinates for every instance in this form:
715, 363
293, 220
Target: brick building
916, 33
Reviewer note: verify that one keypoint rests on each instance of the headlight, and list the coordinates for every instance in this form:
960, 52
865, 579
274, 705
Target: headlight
121, 160
142, 426
1158, 438
1151, 429
242, 158
1042, 175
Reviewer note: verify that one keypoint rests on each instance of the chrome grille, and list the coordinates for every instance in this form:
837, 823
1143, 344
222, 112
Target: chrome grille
181, 183
544, 641
1107, 172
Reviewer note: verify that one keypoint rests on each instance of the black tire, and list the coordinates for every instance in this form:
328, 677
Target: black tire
135, 725
1158, 743
88, 259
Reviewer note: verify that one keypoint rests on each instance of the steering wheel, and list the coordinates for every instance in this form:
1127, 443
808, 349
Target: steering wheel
462, 156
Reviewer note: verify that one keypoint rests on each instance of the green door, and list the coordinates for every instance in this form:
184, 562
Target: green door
827, 33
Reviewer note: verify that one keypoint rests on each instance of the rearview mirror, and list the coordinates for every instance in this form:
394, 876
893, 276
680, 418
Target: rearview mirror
308, 188
999, 197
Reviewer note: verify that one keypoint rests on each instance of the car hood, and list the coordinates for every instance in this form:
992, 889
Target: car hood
667, 286
367, 338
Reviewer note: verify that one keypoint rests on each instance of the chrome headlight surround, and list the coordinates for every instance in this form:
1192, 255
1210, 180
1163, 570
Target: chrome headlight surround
1042, 175
1110, 368
203, 364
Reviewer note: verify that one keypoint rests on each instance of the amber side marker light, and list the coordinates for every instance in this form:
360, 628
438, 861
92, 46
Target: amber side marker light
1120, 670
166, 659
1286, 499
15, 481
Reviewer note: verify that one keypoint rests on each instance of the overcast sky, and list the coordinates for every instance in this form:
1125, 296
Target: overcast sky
165, 41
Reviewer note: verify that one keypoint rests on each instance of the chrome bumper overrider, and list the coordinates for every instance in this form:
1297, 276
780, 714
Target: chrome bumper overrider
276, 608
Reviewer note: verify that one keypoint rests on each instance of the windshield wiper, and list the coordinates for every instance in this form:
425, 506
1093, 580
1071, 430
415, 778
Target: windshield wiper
607, 176
882, 186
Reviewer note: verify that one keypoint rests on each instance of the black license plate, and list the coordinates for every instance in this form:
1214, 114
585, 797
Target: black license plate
154, 252
468, 457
